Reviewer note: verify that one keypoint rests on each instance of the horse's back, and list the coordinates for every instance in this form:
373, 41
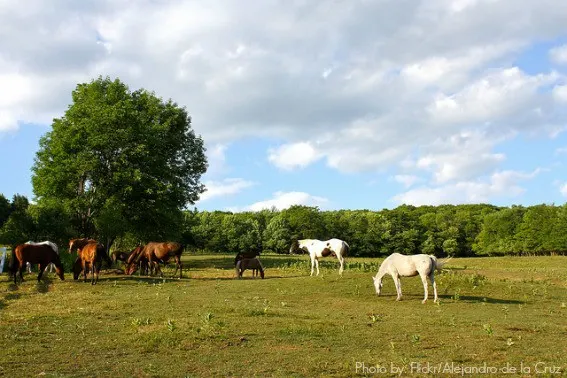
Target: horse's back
35, 253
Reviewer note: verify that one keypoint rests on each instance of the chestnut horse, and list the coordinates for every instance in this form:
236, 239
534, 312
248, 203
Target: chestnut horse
35, 254
156, 253
90, 257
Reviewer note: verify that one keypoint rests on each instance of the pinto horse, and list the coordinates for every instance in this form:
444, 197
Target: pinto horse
317, 249
35, 254
156, 253
398, 265
90, 258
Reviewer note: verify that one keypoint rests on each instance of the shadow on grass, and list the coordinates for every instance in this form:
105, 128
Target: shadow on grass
462, 298
478, 299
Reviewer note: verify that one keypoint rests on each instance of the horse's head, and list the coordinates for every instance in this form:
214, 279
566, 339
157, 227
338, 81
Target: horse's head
377, 284
131, 269
295, 247
72, 245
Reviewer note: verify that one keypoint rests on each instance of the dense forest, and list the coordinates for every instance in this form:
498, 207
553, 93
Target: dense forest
457, 230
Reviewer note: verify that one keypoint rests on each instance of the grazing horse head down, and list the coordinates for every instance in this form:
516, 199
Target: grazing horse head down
156, 253
89, 257
317, 249
249, 263
398, 265
35, 254
245, 255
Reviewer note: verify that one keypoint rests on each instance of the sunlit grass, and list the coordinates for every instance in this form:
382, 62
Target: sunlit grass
493, 310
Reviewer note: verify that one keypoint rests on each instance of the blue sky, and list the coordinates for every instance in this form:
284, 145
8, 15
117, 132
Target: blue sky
354, 105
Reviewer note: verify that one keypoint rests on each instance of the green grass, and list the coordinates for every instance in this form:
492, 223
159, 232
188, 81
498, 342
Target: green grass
498, 311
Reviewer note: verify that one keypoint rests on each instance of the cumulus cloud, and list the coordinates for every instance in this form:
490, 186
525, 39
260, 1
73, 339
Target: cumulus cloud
223, 188
293, 155
563, 189
283, 200
559, 54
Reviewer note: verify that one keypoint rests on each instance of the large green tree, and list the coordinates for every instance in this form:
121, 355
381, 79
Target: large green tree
121, 161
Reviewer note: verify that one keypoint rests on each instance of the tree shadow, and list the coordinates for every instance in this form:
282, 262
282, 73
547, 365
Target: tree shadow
478, 299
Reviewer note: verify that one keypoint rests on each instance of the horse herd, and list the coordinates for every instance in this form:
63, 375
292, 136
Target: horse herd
147, 258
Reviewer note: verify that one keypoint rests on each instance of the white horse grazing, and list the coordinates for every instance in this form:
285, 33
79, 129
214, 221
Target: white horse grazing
317, 248
47, 242
398, 265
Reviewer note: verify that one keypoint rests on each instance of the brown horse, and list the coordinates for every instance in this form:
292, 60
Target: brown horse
78, 244
35, 254
156, 253
89, 257
119, 256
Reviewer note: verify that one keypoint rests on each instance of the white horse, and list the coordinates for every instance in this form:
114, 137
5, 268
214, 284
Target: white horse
317, 248
398, 265
47, 242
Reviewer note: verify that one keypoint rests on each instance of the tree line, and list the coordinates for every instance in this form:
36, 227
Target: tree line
455, 230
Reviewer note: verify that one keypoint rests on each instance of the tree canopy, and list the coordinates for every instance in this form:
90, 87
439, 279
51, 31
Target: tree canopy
120, 161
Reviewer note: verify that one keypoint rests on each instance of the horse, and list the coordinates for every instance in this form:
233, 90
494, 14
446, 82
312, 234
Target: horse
247, 255
119, 256
142, 261
47, 242
317, 249
90, 257
249, 263
398, 265
78, 244
155, 253
35, 254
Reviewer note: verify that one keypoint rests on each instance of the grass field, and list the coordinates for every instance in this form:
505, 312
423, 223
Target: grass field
495, 313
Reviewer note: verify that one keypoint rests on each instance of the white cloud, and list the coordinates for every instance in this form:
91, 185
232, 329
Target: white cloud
563, 189
560, 93
226, 187
504, 184
559, 54
283, 200
290, 156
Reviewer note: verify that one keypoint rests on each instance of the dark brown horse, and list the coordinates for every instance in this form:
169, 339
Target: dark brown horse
247, 255
34, 254
254, 264
119, 256
156, 253
89, 257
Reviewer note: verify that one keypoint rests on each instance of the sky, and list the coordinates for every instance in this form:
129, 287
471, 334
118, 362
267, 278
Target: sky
344, 104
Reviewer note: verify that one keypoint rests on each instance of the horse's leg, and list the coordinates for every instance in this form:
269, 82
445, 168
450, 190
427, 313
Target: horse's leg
84, 265
93, 263
312, 264
424, 281
41, 269
432, 279
398, 285
317, 265
342, 262
97, 271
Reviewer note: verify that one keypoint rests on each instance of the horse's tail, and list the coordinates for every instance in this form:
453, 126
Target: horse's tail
14, 261
346, 249
440, 263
